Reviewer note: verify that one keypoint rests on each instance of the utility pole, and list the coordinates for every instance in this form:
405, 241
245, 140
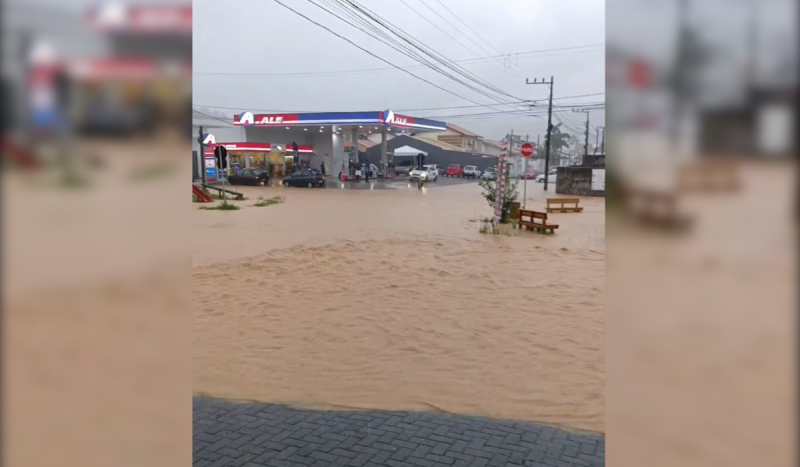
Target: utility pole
596, 140
549, 126
585, 134
603, 141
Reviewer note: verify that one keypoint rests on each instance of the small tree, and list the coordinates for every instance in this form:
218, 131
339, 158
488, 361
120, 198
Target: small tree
509, 197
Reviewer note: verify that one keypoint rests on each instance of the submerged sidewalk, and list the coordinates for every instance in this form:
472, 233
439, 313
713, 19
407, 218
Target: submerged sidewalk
258, 435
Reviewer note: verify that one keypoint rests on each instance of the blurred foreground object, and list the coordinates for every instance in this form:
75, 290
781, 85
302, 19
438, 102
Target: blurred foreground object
97, 323
700, 363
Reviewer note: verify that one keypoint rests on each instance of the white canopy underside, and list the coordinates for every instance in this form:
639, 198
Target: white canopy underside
407, 151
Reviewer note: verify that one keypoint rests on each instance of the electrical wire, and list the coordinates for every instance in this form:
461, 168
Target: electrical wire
372, 54
451, 25
560, 51
215, 118
435, 56
467, 25
366, 26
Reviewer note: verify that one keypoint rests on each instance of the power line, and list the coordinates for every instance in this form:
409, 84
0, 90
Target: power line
468, 26
215, 118
451, 25
435, 56
593, 47
372, 54
440, 29
365, 26
241, 108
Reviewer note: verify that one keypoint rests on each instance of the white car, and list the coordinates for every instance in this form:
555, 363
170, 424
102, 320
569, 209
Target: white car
427, 172
489, 174
470, 171
551, 177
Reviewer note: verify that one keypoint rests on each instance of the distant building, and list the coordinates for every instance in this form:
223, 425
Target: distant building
464, 139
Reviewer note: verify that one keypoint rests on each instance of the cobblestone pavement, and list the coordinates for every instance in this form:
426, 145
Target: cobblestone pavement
258, 435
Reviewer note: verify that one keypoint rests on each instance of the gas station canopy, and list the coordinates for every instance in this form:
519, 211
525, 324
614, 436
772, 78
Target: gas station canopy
408, 151
386, 118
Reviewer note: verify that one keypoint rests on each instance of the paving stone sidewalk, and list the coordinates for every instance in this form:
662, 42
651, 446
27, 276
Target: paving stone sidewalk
258, 435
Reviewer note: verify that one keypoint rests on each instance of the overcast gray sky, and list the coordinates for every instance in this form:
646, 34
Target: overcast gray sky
261, 37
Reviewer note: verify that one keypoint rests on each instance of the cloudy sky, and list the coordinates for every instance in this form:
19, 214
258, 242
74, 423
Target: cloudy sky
256, 55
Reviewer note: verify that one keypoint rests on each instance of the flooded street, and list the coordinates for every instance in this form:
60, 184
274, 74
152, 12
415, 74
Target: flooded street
392, 299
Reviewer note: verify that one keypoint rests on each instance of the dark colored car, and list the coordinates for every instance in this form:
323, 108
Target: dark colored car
304, 178
404, 167
454, 170
250, 177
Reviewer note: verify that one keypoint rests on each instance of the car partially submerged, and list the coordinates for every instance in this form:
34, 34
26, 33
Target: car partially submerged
489, 174
427, 173
471, 171
305, 178
454, 170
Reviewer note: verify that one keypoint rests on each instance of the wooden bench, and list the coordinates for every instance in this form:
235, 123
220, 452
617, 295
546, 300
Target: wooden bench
652, 208
219, 190
532, 224
562, 202
709, 176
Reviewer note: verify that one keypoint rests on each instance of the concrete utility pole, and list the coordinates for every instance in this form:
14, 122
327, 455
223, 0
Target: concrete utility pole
549, 126
596, 140
603, 141
585, 134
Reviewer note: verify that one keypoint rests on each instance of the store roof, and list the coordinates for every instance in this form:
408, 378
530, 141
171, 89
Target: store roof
463, 131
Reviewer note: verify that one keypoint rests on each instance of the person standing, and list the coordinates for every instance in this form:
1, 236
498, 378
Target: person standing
366, 172
322, 168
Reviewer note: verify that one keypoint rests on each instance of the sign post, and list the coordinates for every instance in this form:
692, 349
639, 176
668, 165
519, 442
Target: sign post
527, 151
500, 181
221, 155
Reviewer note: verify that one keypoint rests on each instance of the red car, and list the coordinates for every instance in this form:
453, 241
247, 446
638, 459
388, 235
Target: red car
454, 170
529, 176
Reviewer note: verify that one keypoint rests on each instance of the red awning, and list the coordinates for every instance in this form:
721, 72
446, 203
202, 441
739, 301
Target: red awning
255, 147
142, 19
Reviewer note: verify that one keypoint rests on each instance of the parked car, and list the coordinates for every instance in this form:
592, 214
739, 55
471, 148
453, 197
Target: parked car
404, 168
551, 177
454, 170
529, 176
250, 177
427, 172
304, 178
489, 174
470, 171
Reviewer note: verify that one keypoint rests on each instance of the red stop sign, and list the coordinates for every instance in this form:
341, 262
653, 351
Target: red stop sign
526, 150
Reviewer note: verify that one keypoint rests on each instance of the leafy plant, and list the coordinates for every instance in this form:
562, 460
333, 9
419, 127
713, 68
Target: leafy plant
221, 207
511, 193
559, 141
269, 202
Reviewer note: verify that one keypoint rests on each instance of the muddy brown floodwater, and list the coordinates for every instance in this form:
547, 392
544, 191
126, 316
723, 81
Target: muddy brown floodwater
393, 300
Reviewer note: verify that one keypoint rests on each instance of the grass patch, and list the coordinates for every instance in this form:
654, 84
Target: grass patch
221, 207
71, 180
487, 227
227, 196
269, 202
151, 173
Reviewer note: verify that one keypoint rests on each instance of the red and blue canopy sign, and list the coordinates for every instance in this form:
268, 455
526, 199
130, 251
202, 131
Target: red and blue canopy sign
386, 118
